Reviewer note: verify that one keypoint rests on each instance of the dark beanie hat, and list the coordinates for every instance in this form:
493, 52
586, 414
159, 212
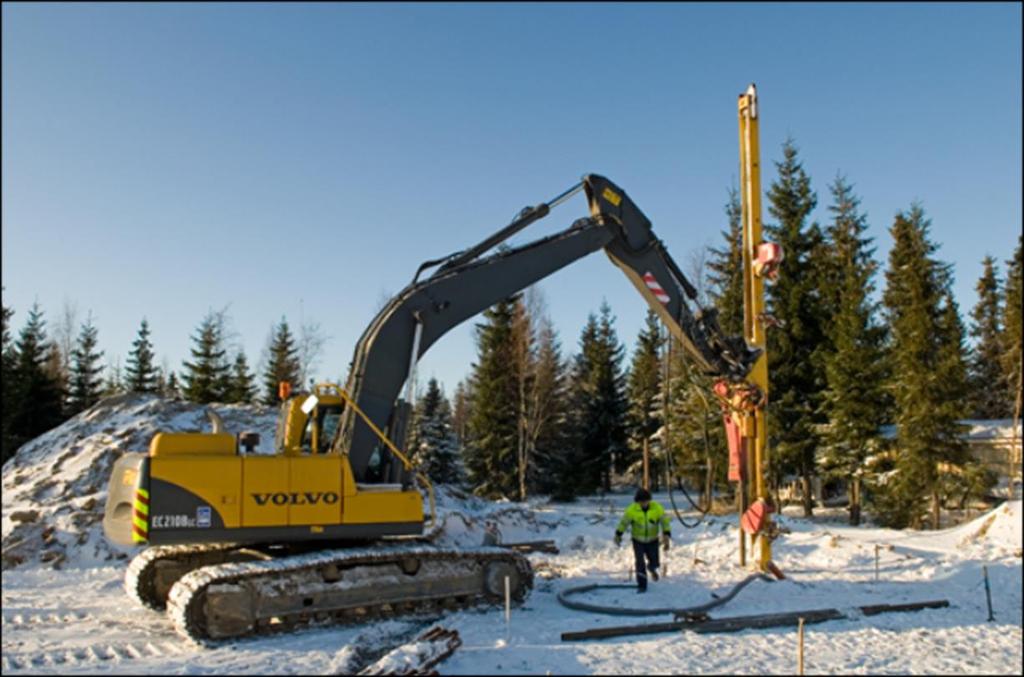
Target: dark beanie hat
642, 495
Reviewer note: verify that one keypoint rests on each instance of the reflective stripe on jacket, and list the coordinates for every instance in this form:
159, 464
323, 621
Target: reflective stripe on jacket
644, 523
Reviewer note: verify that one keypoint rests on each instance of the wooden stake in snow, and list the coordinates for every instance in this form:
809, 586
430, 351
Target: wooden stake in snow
988, 594
800, 648
508, 607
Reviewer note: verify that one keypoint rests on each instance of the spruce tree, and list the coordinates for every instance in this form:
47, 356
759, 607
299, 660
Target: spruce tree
550, 435
85, 383
726, 270
1011, 335
140, 374
988, 396
242, 384
283, 363
954, 460
5, 324
795, 350
35, 404
569, 480
434, 446
600, 387
205, 377
460, 411
643, 385
7, 382
853, 401
927, 376
490, 451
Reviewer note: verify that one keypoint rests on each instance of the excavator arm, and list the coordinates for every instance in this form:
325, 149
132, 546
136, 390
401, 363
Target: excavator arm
466, 283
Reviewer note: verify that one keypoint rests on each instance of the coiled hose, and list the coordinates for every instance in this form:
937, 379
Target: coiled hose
626, 611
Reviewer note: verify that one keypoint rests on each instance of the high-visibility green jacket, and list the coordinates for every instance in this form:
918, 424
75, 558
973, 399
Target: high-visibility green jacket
644, 523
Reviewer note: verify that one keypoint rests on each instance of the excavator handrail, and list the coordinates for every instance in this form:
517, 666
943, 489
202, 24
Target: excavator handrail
383, 438
394, 449
430, 498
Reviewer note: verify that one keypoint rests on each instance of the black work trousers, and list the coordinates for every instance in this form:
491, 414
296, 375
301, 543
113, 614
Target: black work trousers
645, 551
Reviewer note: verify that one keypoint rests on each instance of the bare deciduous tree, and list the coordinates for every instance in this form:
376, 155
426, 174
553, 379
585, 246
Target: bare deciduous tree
522, 363
535, 363
64, 337
310, 347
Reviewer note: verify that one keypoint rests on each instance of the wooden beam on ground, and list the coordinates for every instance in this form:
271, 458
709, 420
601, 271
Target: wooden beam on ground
781, 620
620, 630
876, 609
532, 546
758, 621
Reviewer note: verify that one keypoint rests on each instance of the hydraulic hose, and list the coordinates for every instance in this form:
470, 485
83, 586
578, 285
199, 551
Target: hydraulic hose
626, 611
672, 498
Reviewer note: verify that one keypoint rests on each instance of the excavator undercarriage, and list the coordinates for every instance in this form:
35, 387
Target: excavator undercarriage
240, 599
226, 591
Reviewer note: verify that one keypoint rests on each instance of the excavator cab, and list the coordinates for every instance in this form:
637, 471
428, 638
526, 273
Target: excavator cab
309, 421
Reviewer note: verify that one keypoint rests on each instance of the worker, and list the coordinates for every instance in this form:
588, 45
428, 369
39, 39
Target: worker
643, 518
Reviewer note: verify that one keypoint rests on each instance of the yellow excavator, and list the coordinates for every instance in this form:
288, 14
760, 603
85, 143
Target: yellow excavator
331, 527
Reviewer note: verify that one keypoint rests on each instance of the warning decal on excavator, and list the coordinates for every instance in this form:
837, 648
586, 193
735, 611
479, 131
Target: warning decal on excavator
656, 288
611, 196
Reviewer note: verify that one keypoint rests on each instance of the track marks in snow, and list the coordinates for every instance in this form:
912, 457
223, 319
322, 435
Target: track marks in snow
25, 620
93, 653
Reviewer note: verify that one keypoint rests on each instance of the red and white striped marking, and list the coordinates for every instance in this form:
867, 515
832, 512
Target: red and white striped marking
653, 285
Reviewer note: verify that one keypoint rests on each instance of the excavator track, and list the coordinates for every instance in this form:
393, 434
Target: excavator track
152, 573
243, 599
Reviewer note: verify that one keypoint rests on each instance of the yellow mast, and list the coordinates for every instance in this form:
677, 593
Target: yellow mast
753, 427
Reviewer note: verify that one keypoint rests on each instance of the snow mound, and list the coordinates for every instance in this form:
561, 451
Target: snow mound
463, 519
999, 529
55, 486
992, 536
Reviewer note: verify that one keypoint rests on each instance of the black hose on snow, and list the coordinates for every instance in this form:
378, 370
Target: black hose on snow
626, 611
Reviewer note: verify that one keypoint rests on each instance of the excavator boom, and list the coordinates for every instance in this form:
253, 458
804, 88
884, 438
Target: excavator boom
467, 283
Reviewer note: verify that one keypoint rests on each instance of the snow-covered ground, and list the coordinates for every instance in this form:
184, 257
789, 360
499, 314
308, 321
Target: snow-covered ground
76, 619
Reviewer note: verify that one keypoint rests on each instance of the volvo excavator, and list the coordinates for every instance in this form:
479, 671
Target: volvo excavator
331, 527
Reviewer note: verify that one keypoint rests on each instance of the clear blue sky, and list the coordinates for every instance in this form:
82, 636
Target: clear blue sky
167, 159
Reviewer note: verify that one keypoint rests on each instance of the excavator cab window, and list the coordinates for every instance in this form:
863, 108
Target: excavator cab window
330, 417
325, 419
376, 466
